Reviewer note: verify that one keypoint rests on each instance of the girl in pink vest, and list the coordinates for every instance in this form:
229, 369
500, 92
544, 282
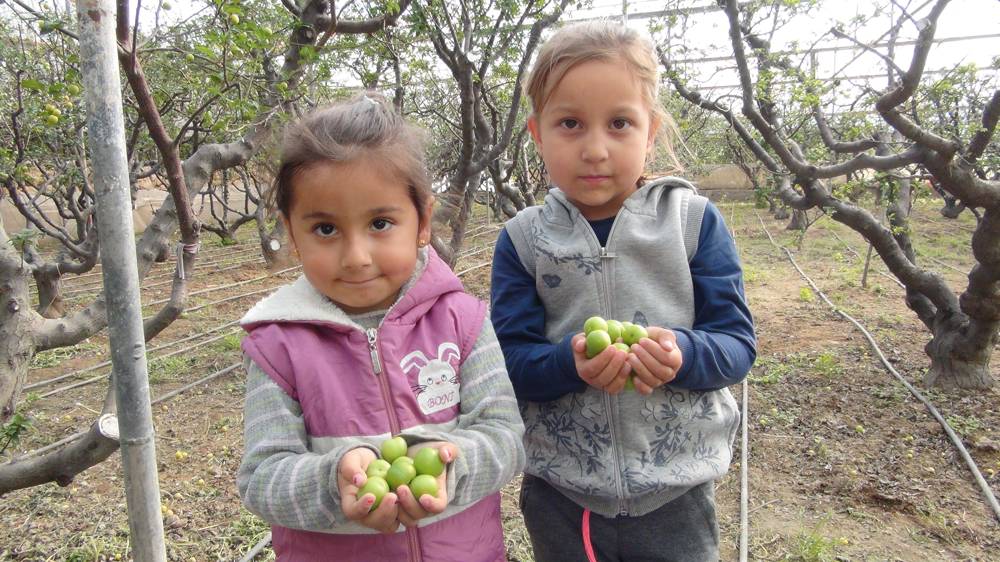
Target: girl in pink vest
376, 339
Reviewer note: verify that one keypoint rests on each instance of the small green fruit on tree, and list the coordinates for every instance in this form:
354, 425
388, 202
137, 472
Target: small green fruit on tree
234, 19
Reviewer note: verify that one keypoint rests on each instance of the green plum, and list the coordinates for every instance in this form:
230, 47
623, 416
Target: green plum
622, 346
594, 323
615, 329
393, 448
400, 473
428, 461
376, 486
378, 467
424, 484
633, 334
596, 342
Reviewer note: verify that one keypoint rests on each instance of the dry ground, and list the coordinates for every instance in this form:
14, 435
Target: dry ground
844, 464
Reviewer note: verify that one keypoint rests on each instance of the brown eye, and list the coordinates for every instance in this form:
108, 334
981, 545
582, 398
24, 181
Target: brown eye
325, 230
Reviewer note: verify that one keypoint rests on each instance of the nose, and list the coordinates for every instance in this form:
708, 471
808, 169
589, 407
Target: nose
357, 253
595, 148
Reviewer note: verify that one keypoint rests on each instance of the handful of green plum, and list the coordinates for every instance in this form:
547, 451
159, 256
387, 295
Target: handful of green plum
394, 468
601, 333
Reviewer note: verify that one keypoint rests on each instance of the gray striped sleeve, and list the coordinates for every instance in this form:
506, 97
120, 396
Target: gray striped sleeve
280, 479
489, 429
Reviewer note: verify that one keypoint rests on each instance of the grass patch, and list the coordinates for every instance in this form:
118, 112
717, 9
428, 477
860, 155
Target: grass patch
246, 532
814, 547
56, 356
769, 371
163, 369
229, 343
827, 364
964, 425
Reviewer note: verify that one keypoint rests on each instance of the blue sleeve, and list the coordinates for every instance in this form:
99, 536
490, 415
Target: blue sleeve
721, 346
539, 370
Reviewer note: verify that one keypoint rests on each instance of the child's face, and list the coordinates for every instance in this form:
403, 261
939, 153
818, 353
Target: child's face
594, 133
356, 230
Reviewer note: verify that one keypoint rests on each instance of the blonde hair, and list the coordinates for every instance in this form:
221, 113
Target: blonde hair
601, 40
366, 126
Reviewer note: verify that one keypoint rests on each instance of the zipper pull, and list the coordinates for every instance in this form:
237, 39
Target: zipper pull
372, 339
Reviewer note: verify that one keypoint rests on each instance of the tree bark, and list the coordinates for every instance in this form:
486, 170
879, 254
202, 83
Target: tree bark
17, 324
953, 363
50, 301
799, 220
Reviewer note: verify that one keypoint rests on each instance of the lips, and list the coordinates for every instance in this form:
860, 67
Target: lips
358, 282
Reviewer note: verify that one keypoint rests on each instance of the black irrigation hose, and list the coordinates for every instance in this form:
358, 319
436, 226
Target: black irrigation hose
106, 363
257, 548
236, 265
199, 267
230, 285
104, 376
983, 485
163, 398
210, 254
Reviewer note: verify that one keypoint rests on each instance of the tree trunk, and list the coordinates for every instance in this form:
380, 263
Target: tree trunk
17, 345
462, 220
799, 220
50, 301
277, 251
953, 366
952, 208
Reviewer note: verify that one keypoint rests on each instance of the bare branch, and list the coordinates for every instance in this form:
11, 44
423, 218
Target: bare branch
983, 136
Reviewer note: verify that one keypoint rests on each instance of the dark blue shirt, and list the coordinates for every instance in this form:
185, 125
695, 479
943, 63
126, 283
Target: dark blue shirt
718, 350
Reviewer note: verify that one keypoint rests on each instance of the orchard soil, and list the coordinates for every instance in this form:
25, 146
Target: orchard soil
844, 464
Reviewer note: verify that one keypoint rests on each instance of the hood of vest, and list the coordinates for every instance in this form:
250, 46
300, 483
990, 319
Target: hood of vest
645, 200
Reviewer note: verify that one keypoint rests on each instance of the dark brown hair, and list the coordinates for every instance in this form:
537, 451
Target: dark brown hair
366, 126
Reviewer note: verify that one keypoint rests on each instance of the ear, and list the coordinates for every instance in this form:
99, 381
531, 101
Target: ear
654, 127
533, 129
427, 218
288, 230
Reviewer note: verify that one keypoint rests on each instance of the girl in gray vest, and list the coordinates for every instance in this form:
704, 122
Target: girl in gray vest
616, 473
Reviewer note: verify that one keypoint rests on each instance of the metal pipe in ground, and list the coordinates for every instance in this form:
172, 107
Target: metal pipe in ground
106, 143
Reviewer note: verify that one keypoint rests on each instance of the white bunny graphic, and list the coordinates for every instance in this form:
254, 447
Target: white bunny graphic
437, 381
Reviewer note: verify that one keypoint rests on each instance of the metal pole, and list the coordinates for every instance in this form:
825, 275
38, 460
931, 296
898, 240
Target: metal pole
106, 142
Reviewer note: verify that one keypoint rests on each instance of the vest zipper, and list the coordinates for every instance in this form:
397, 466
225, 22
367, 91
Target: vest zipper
383, 384
413, 542
619, 486
606, 258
